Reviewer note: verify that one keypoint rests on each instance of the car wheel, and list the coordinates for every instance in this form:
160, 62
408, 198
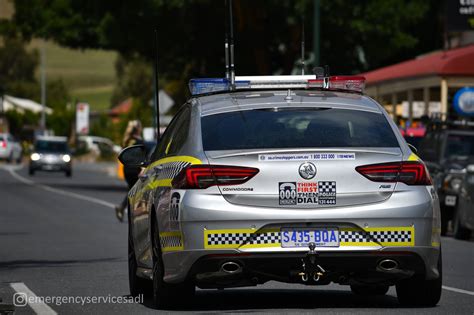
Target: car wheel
417, 291
460, 232
136, 284
68, 173
31, 172
10, 158
369, 289
166, 295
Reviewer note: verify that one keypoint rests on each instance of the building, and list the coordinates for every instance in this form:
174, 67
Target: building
430, 78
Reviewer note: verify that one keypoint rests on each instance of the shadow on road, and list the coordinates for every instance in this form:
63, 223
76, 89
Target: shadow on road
250, 299
17, 264
94, 187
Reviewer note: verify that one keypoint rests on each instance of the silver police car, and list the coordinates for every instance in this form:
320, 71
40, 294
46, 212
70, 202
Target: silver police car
298, 185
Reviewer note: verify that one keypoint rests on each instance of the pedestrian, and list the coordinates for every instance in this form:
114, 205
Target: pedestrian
132, 136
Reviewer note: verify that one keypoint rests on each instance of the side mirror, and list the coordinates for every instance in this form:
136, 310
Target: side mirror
412, 148
133, 156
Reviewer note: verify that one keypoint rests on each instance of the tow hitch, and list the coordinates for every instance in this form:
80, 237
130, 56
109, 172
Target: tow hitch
310, 269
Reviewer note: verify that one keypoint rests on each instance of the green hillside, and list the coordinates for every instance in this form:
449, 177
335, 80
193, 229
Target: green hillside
89, 74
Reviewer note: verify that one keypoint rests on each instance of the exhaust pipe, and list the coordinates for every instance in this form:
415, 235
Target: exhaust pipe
231, 267
388, 264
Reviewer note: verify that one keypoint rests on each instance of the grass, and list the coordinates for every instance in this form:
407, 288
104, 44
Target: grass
89, 74
98, 97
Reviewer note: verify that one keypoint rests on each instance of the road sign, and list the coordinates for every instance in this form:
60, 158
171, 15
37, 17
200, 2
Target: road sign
459, 15
82, 118
166, 102
464, 101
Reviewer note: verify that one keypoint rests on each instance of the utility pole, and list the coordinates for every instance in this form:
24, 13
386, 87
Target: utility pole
316, 33
43, 86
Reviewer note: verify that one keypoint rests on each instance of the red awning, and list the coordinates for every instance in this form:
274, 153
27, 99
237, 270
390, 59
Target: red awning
453, 62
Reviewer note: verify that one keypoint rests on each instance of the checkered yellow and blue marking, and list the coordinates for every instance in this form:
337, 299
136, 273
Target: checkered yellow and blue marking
171, 241
251, 238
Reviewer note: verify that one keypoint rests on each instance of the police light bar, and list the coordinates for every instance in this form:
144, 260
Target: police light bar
210, 85
273, 81
349, 83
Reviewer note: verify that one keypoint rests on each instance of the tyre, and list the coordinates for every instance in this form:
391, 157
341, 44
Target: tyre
10, 158
68, 173
166, 295
136, 284
369, 289
460, 232
31, 172
419, 292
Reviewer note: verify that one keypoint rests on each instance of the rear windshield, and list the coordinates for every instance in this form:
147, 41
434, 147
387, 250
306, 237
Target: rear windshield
296, 128
51, 146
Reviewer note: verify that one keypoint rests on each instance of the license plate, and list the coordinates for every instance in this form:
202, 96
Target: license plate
450, 200
302, 237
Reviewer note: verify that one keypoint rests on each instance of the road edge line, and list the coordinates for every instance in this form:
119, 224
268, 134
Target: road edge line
60, 191
458, 290
39, 308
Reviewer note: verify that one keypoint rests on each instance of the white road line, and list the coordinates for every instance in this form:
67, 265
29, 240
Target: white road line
25, 296
60, 191
458, 290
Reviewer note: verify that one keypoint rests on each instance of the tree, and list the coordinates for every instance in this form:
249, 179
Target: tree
356, 35
58, 98
134, 79
17, 69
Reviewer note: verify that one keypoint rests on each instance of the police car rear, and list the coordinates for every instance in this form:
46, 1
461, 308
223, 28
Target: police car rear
306, 186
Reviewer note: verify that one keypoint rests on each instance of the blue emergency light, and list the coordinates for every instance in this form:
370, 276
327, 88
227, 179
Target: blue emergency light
210, 85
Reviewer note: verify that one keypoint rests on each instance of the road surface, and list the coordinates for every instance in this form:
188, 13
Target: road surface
60, 240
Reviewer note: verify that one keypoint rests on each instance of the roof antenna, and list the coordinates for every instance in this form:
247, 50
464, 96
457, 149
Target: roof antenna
156, 94
231, 46
302, 46
226, 41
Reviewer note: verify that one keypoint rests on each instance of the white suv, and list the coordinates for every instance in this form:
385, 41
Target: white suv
10, 149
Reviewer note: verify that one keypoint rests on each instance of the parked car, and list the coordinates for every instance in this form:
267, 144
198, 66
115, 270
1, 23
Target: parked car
285, 182
446, 149
10, 148
51, 154
463, 220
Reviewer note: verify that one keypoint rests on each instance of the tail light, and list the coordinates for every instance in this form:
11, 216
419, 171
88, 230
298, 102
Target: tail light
203, 176
408, 172
3, 144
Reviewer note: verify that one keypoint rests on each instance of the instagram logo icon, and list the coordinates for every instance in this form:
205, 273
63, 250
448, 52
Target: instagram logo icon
19, 299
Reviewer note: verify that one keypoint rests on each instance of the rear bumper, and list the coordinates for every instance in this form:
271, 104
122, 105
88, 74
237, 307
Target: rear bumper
339, 267
409, 221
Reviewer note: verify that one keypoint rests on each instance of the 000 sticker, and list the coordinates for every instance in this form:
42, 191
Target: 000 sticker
299, 193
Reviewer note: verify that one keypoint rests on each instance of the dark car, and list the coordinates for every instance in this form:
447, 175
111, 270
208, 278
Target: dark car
463, 220
446, 149
51, 154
